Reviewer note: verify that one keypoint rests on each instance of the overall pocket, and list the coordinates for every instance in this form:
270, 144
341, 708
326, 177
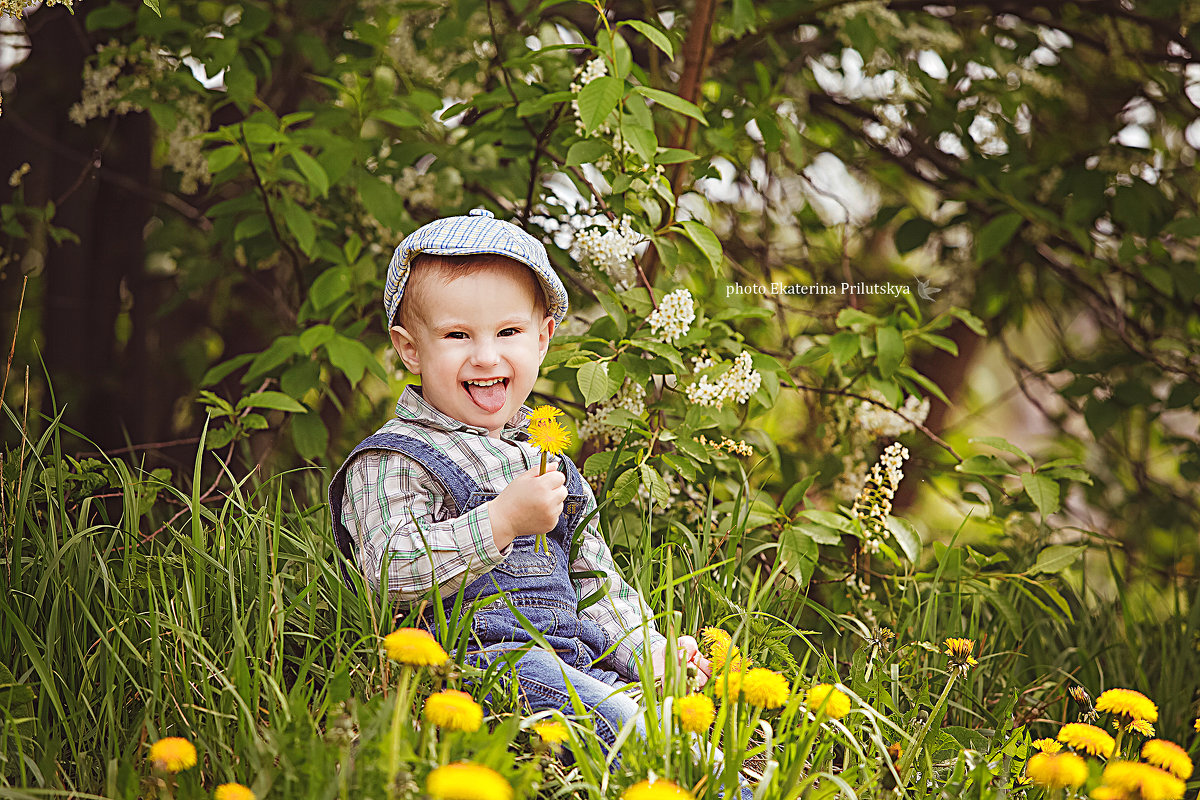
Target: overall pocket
524, 561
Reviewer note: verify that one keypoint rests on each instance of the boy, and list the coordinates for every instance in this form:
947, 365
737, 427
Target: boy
472, 303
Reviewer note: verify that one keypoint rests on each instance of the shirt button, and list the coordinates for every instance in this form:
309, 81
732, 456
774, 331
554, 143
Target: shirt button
480, 212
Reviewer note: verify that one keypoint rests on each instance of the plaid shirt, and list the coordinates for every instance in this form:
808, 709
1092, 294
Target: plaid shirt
384, 488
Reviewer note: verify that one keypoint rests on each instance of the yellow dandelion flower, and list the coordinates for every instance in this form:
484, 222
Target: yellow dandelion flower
765, 688
1046, 745
453, 710
661, 789
1088, 738
551, 732
173, 754
959, 651
1127, 704
549, 436
828, 699
1139, 726
414, 647
467, 781
233, 791
695, 712
1134, 780
721, 652
729, 683
1168, 755
1057, 770
1196, 725
543, 414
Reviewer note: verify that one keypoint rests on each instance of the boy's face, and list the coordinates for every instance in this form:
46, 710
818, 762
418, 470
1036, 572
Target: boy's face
484, 327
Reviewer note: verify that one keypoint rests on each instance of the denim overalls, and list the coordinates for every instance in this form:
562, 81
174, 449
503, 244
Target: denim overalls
538, 583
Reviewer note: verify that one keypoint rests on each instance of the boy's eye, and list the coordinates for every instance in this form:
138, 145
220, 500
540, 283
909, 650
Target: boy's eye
456, 335
510, 331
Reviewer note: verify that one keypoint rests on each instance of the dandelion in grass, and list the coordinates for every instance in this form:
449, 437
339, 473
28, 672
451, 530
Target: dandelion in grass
233, 791
1128, 779
467, 781
543, 414
827, 699
729, 683
173, 754
1046, 745
661, 789
765, 688
695, 712
1138, 726
453, 710
414, 647
721, 652
1169, 756
1196, 725
959, 651
552, 733
1087, 712
1087, 738
1057, 770
1127, 705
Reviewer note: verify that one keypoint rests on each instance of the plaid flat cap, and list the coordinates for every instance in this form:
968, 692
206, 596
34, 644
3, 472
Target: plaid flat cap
478, 233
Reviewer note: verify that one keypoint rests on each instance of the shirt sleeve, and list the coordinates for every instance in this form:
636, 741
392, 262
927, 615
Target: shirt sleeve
391, 502
626, 619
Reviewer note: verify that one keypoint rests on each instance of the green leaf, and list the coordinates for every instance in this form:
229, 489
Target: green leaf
598, 463
889, 350
798, 552
1001, 444
829, 519
795, 494
310, 435
349, 355
113, 15
843, 346
940, 342
153, 6
587, 151
396, 116
381, 201
223, 157
643, 141
612, 306
1056, 558
673, 102
593, 382
970, 320
625, 487
821, 534
906, 536
912, 234
655, 483
597, 100
984, 465
301, 225
656, 37
314, 173
280, 351
669, 352
692, 449
275, 400
316, 336
219, 371
330, 286
1042, 491
996, 234
703, 237
673, 155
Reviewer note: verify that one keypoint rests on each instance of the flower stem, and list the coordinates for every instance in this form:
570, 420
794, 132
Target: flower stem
910, 753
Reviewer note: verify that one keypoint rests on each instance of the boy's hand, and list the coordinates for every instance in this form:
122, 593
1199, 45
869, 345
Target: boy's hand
532, 503
687, 651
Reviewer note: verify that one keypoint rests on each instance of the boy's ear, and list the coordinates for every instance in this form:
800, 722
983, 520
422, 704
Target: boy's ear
544, 333
406, 348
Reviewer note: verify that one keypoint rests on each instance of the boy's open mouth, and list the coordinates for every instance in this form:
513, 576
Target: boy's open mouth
488, 393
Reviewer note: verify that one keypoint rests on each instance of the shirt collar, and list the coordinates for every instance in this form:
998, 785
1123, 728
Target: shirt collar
413, 406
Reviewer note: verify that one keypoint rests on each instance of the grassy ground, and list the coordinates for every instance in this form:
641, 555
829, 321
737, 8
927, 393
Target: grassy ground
137, 607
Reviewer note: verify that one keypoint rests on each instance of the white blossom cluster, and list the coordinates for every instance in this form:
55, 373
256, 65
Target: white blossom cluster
737, 384
606, 244
185, 151
883, 423
874, 502
702, 362
595, 426
738, 447
673, 316
16, 8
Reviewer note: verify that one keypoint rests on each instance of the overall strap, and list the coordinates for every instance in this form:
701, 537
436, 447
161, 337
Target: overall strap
453, 479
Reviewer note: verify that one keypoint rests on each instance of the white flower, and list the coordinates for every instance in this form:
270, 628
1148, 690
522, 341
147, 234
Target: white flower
738, 384
673, 316
595, 426
883, 423
874, 502
608, 245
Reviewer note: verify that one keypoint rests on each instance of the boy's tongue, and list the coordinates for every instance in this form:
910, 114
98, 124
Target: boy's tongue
489, 398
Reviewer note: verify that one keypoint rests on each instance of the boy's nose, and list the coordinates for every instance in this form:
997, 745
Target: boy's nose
484, 354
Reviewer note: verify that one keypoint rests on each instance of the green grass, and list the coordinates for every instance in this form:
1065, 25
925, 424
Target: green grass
138, 606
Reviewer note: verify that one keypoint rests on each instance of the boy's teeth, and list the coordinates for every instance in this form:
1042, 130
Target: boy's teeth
485, 383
